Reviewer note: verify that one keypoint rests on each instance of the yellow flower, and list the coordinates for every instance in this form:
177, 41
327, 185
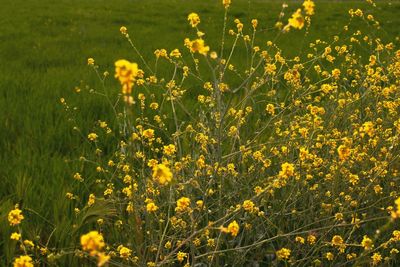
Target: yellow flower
226, 3
300, 239
344, 152
197, 46
337, 240
311, 239
182, 204
123, 30
367, 243
376, 258
90, 61
193, 19
396, 214
168, 245
309, 7
151, 207
29, 243
326, 88
126, 72
396, 235
180, 256
287, 170
124, 252
329, 256
169, 150
92, 136
78, 176
336, 73
270, 109
283, 254
200, 204
92, 199
92, 242
297, 20
223, 87
162, 174
15, 236
358, 13
23, 261
368, 128
148, 133
175, 53
233, 228
102, 259
248, 205
254, 23
15, 216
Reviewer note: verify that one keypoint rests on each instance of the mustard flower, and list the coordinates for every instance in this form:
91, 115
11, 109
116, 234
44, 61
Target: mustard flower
297, 20
15, 216
309, 7
197, 46
162, 174
283, 254
23, 261
126, 72
92, 242
182, 204
193, 19
233, 228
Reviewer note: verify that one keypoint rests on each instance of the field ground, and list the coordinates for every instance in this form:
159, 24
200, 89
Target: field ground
44, 46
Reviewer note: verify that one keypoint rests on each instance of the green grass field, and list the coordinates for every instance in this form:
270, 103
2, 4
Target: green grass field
44, 46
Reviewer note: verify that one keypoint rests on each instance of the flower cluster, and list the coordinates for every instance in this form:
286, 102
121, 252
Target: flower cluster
221, 158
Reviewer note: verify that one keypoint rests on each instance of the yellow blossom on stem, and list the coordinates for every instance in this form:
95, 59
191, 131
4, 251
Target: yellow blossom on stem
226, 3
367, 243
193, 19
124, 252
329, 256
92, 199
344, 152
169, 150
175, 53
337, 241
182, 204
123, 30
15, 216
15, 236
180, 256
297, 20
309, 7
102, 259
287, 170
233, 228
92, 136
376, 258
148, 134
126, 72
283, 254
300, 239
197, 45
248, 205
151, 206
23, 261
92, 242
90, 61
162, 174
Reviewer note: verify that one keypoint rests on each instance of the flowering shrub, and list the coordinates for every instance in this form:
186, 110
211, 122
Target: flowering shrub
271, 161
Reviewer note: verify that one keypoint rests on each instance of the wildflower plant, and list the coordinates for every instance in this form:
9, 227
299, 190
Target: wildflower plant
273, 160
